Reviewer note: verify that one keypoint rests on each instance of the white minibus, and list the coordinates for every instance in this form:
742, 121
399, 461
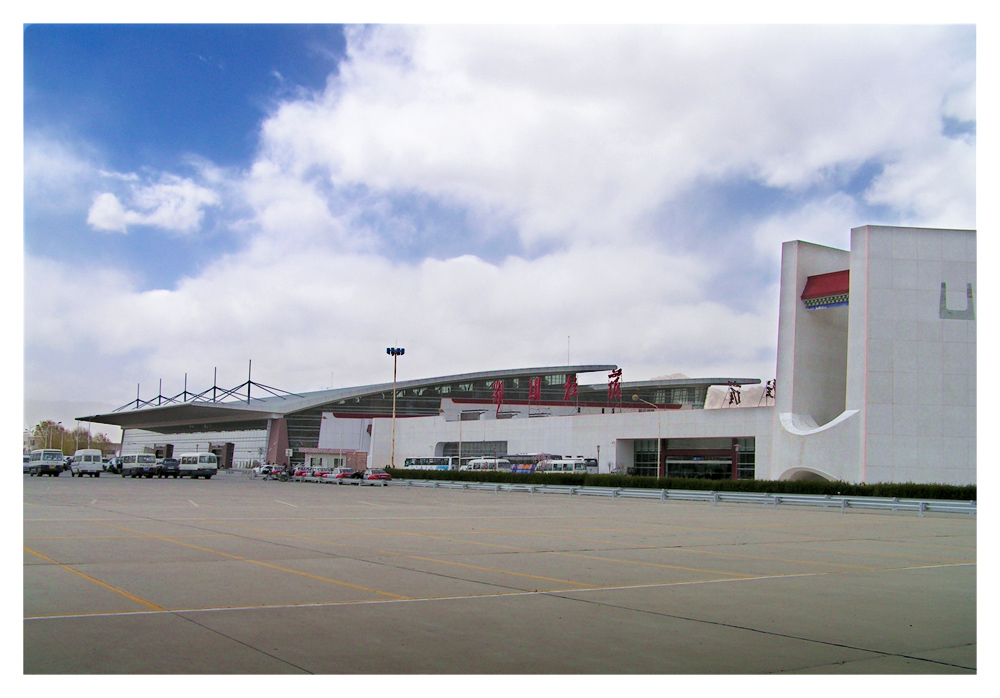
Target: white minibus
138, 465
46, 461
201, 464
86, 461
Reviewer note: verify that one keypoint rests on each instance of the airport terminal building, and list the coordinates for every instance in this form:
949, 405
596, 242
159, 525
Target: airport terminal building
875, 382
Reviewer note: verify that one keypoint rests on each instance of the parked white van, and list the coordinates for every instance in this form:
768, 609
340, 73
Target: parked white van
202, 464
86, 461
138, 465
46, 461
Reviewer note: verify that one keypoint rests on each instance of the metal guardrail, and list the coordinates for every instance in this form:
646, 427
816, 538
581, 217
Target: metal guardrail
921, 506
336, 481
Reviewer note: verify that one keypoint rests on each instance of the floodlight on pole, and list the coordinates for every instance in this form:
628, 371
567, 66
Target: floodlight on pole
660, 470
395, 353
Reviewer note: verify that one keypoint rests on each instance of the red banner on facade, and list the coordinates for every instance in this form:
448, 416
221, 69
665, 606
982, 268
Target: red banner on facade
615, 385
498, 394
570, 386
535, 389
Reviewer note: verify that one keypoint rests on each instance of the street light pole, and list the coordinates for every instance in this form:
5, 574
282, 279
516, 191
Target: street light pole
49, 443
395, 353
660, 469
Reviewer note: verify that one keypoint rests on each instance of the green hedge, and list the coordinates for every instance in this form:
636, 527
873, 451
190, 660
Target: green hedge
903, 490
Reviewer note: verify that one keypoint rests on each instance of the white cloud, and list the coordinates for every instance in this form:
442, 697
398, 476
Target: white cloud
301, 314
825, 221
933, 184
573, 137
289, 207
61, 177
173, 203
577, 132
107, 213
57, 176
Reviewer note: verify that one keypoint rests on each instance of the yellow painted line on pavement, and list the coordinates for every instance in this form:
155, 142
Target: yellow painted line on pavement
132, 597
797, 546
462, 597
722, 554
490, 569
368, 530
80, 537
772, 559
435, 560
567, 554
554, 552
549, 552
260, 563
651, 564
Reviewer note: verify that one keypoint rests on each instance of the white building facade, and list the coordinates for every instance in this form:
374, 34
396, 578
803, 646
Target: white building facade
879, 386
875, 379
875, 382
616, 440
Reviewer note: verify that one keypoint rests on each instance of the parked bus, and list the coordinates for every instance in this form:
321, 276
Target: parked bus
46, 461
87, 461
138, 465
528, 462
568, 464
201, 464
501, 464
433, 463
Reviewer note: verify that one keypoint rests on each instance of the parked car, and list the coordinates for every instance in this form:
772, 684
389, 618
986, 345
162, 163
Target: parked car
342, 474
168, 467
266, 470
375, 476
27, 463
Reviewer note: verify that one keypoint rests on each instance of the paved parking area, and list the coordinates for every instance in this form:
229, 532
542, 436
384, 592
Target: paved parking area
240, 576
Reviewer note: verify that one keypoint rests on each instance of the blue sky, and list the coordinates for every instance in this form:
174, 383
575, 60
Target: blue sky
304, 196
151, 96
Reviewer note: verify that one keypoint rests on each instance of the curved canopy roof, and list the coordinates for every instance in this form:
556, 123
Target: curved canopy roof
210, 412
208, 415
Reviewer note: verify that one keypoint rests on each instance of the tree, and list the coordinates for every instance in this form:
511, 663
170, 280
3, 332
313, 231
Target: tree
53, 435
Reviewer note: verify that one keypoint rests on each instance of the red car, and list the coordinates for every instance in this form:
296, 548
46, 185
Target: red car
375, 476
